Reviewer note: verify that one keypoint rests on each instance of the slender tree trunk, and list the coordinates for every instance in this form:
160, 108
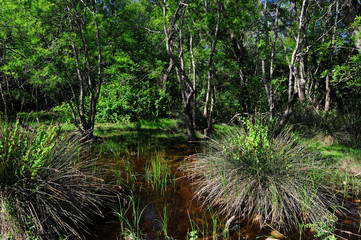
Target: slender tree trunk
2, 92
239, 53
89, 76
328, 92
168, 71
194, 76
4, 102
268, 88
269, 82
208, 111
289, 108
332, 54
302, 81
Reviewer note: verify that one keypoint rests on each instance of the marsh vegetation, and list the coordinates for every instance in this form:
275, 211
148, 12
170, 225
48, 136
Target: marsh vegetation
146, 181
178, 119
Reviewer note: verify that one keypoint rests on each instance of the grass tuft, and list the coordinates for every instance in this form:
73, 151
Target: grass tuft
271, 181
47, 186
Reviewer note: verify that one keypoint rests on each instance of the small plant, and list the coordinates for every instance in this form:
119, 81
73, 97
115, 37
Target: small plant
164, 222
193, 235
324, 229
272, 181
125, 174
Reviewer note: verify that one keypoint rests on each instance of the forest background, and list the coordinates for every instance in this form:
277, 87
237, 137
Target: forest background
202, 61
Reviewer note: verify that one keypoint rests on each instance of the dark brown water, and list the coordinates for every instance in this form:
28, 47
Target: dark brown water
184, 214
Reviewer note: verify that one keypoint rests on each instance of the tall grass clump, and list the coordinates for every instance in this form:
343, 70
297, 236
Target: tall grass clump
47, 189
266, 179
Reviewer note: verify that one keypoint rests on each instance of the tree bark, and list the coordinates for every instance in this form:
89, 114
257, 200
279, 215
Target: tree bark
332, 54
302, 81
168, 71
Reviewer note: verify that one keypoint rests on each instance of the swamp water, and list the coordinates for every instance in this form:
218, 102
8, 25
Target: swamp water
162, 206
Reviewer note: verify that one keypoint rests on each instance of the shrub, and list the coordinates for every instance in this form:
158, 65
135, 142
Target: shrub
268, 180
131, 102
46, 184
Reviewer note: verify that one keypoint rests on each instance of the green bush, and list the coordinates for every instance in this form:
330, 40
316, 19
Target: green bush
63, 112
119, 103
46, 183
271, 181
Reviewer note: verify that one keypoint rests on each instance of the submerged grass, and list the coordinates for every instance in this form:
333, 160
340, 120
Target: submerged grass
158, 173
129, 215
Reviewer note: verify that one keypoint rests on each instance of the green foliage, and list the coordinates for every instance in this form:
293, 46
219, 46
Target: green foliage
324, 230
119, 103
62, 112
270, 180
23, 151
343, 127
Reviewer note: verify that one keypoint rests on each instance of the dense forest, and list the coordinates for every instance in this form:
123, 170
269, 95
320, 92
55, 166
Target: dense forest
202, 61
203, 119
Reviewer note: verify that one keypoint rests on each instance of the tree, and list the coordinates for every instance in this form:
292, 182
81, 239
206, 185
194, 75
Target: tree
173, 30
71, 56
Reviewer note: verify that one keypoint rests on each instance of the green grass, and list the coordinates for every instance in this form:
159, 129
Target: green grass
158, 173
345, 160
129, 215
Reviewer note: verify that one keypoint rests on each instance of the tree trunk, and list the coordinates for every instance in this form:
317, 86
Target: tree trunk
208, 111
168, 71
332, 54
4, 102
89, 75
302, 81
289, 107
2, 90
239, 53
194, 76
328, 92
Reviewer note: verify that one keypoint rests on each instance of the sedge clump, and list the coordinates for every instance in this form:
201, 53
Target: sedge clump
270, 180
